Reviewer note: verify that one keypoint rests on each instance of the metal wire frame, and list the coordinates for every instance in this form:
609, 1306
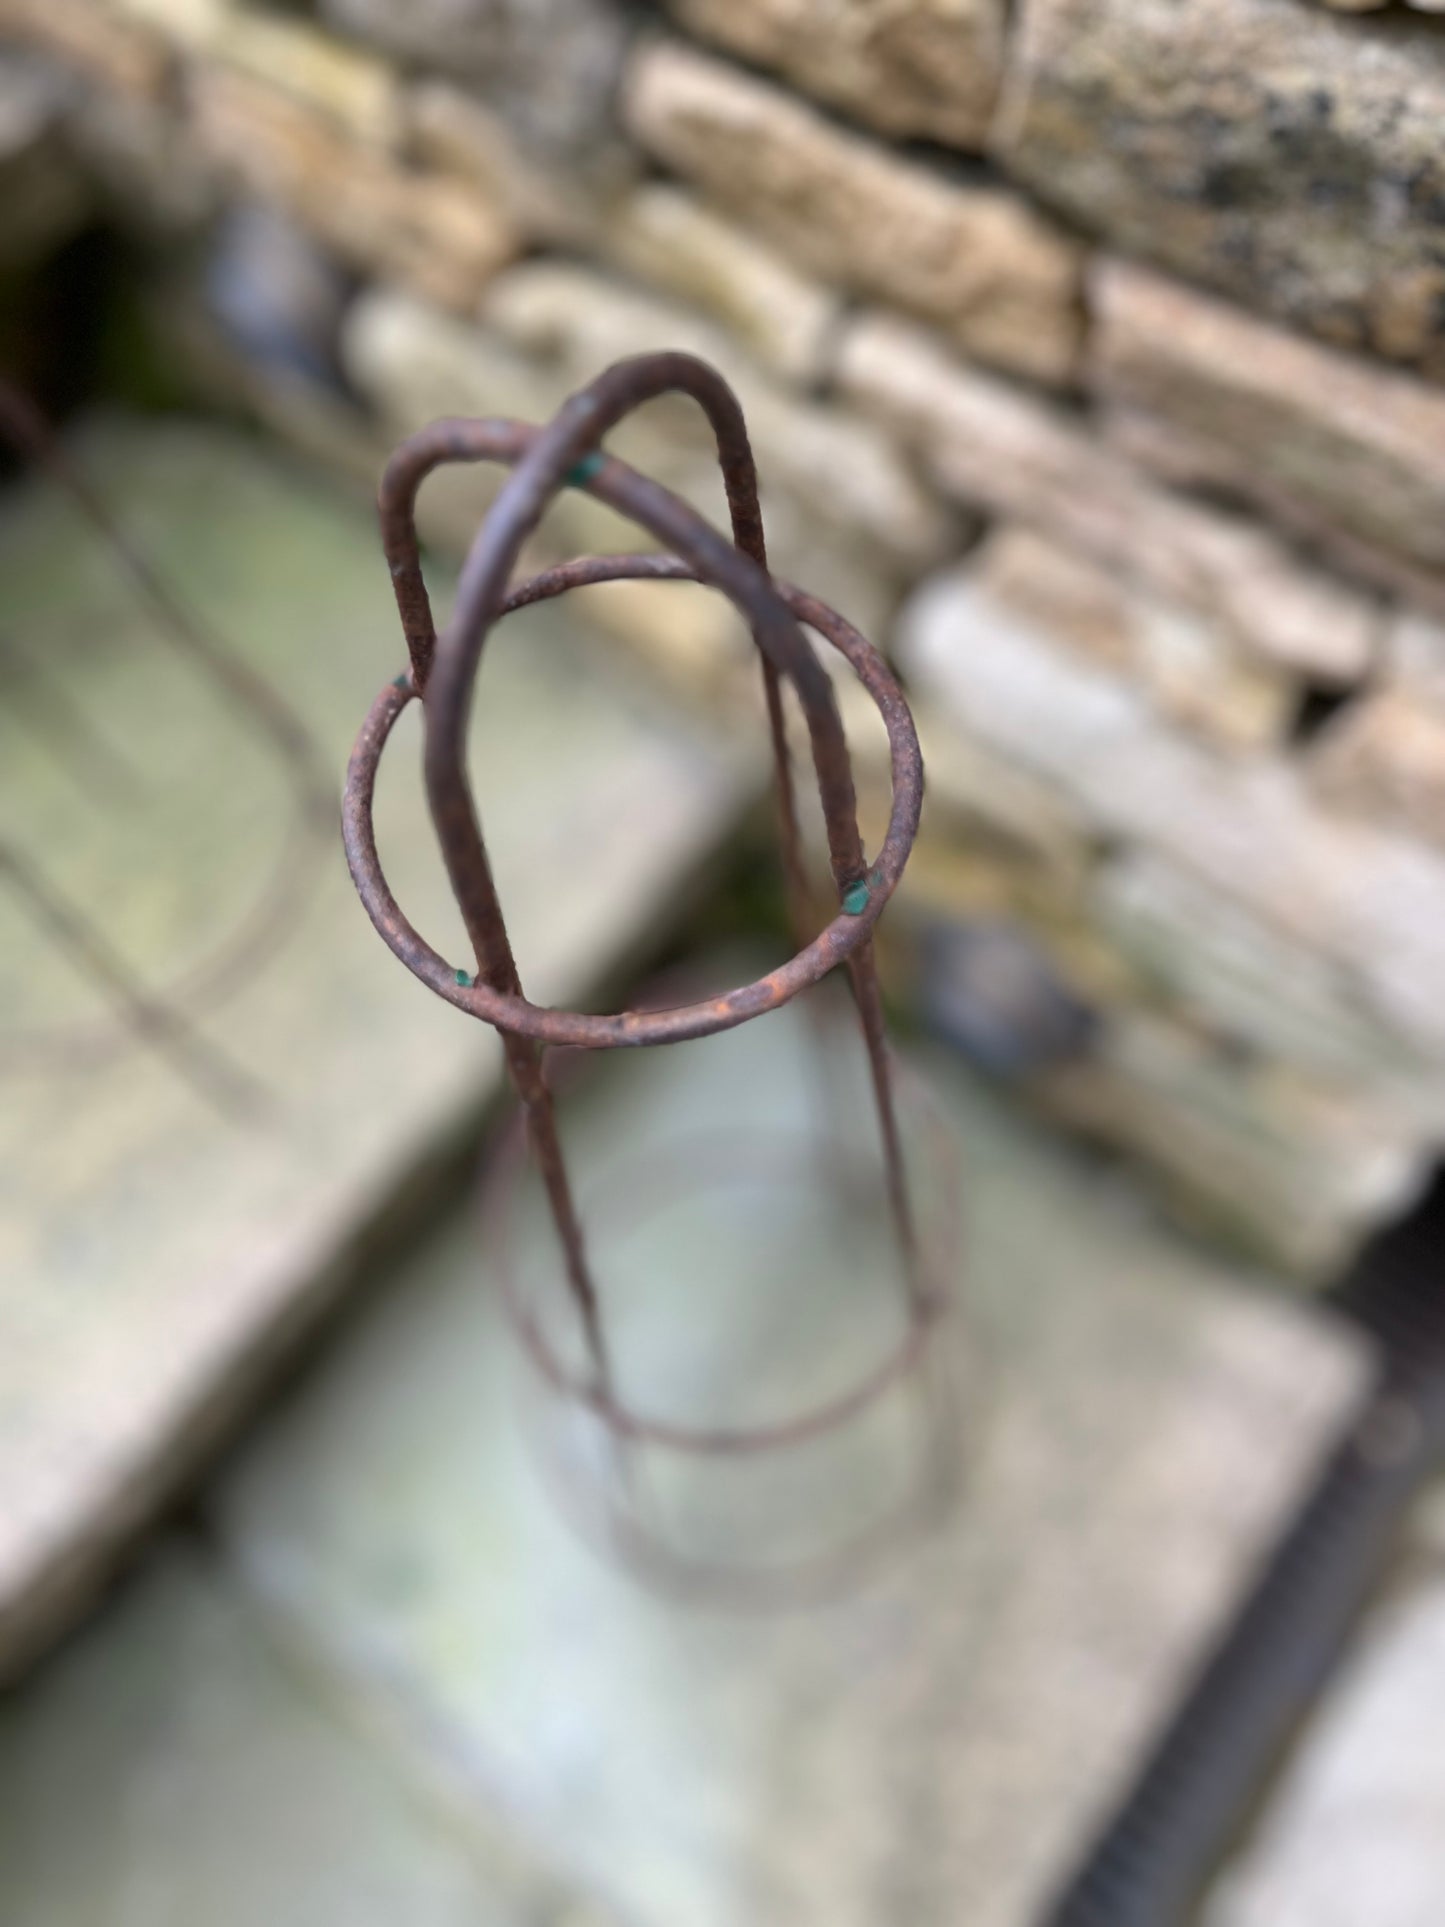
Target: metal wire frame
611, 1497
158, 1015
567, 453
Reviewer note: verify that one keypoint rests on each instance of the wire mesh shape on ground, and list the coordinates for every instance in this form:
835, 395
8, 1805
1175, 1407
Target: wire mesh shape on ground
543, 461
164, 1016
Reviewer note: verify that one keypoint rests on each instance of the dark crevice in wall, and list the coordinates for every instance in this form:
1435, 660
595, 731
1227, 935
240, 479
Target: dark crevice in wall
952, 164
1396, 21
1396, 1287
53, 323
1318, 706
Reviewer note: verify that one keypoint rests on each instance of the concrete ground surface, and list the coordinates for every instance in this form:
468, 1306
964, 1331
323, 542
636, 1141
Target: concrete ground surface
388, 1666
384, 1676
155, 1252
1355, 1831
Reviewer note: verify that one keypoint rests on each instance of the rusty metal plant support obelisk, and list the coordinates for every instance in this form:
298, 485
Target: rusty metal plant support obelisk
543, 461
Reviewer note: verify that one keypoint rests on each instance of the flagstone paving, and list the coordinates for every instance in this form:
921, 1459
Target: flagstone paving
926, 1746
381, 1673
156, 1255
1355, 1831
180, 1767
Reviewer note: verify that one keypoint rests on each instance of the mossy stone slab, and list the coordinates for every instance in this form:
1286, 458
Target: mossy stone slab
178, 1766
932, 1745
155, 1254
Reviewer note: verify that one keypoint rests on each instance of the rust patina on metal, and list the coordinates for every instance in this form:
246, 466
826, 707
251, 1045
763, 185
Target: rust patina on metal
442, 674
160, 1015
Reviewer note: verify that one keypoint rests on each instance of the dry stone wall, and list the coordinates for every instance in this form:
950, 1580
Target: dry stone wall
1095, 356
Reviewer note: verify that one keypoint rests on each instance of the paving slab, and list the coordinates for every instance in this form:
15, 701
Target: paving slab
175, 1768
931, 1745
155, 1254
1356, 1830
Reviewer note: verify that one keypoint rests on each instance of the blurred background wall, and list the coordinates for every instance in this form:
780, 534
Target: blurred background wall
1092, 353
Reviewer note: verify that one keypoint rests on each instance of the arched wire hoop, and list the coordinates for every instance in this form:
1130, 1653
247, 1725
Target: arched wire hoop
160, 1015
566, 453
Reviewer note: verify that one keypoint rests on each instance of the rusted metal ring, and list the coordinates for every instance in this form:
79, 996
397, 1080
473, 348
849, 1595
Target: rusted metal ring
722, 1441
920, 1318
515, 1014
604, 1493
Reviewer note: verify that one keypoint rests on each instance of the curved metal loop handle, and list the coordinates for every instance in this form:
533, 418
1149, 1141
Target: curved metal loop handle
448, 440
842, 941
565, 451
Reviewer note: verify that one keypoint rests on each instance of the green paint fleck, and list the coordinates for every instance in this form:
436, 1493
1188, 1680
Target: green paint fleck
464, 980
401, 682
855, 898
581, 473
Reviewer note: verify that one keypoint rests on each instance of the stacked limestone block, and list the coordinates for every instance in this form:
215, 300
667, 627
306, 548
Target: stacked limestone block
1092, 350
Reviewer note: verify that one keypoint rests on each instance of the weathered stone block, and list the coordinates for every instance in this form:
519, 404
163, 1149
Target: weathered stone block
1385, 757
1415, 655
1349, 451
354, 90
412, 363
992, 801
977, 260
783, 317
840, 468
188, 25
1192, 668
415, 364
43, 197
1247, 828
549, 66
923, 68
1294, 1172
125, 53
450, 131
1235, 973
1002, 449
436, 233
1271, 151
143, 165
